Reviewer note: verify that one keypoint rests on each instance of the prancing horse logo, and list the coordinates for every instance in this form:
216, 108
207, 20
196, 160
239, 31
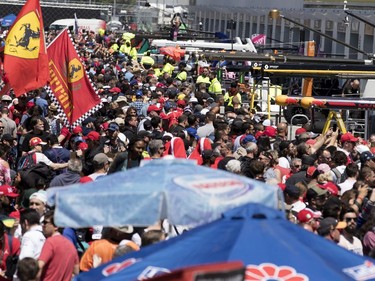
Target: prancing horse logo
25, 37
75, 71
24, 41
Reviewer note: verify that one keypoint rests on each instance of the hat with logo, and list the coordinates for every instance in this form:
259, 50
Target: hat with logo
331, 188
306, 215
36, 141
93, 135
8, 191
365, 156
113, 126
328, 224
348, 137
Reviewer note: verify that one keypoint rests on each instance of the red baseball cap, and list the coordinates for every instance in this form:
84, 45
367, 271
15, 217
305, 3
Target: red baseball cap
93, 135
306, 215
270, 132
331, 188
83, 146
348, 137
77, 130
8, 191
300, 131
115, 90
153, 107
36, 141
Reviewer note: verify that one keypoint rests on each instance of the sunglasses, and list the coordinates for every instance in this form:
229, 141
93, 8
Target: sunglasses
350, 219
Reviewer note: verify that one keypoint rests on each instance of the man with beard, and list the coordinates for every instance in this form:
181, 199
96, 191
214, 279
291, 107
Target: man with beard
347, 238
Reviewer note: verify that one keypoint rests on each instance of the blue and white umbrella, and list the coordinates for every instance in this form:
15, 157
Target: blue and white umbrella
173, 189
271, 248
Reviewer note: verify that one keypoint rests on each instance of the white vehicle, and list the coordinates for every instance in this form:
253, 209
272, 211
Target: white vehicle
83, 24
205, 45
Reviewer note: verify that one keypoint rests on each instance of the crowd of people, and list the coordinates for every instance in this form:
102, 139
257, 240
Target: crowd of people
178, 108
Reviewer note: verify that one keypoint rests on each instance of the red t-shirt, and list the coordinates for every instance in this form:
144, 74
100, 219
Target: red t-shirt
60, 256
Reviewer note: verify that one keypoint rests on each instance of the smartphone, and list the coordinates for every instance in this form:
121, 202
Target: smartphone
334, 128
222, 110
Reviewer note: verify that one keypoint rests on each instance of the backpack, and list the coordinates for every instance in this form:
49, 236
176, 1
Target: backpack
27, 161
340, 177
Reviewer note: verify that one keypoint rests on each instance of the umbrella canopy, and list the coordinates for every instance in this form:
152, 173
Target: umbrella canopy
8, 20
271, 247
176, 189
174, 52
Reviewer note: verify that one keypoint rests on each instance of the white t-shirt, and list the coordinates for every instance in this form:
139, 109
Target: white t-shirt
355, 247
346, 185
32, 243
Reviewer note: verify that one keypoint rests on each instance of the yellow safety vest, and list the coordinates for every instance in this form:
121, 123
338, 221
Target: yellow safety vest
215, 87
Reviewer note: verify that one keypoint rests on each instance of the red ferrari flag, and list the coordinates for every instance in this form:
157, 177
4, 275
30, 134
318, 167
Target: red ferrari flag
70, 86
25, 55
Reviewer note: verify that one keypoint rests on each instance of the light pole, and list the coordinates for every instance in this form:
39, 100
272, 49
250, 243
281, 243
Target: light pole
274, 14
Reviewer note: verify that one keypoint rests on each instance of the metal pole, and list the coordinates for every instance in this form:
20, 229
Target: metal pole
359, 18
114, 10
138, 12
